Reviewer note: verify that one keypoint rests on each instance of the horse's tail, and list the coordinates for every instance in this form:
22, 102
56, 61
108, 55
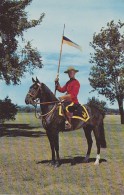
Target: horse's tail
102, 136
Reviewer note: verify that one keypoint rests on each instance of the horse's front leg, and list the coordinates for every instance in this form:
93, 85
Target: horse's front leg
51, 141
56, 144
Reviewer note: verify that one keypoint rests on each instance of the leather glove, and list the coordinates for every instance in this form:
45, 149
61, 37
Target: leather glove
57, 79
57, 82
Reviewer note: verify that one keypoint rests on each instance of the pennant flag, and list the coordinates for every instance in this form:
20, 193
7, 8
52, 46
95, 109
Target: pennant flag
71, 43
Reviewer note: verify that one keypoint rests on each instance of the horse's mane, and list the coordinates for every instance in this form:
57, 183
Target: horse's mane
49, 93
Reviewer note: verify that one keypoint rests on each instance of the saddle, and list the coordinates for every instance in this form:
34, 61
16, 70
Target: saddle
79, 111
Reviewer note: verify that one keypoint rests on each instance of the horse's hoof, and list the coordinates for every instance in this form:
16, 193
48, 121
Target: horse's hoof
57, 164
96, 163
86, 159
52, 163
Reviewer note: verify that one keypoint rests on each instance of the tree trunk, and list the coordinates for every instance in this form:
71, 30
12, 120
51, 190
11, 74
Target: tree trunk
121, 110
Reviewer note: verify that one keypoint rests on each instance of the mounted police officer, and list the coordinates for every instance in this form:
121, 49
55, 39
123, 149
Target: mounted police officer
72, 89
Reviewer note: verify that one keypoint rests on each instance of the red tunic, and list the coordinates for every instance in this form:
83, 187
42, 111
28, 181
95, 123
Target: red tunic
71, 87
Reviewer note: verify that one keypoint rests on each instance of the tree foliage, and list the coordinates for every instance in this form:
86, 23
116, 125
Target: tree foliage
8, 110
14, 60
107, 72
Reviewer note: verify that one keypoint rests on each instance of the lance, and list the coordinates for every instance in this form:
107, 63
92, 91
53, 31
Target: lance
57, 76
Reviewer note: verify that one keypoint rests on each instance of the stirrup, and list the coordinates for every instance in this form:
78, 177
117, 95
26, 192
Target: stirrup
67, 125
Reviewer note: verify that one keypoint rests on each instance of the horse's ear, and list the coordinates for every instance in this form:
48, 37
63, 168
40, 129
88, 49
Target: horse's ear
37, 80
33, 80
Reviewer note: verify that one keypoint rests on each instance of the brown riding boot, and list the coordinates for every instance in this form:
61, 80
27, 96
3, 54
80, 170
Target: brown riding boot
68, 125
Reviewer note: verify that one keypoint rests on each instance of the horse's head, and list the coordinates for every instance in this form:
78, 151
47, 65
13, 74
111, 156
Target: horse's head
33, 92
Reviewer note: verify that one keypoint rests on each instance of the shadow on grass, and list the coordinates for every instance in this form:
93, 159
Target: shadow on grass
72, 161
15, 130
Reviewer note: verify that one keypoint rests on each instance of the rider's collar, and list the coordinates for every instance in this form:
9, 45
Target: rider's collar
71, 79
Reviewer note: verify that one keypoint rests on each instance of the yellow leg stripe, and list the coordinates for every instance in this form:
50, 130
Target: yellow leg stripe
68, 106
60, 110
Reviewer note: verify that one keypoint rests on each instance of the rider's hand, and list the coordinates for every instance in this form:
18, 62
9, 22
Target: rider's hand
60, 99
57, 80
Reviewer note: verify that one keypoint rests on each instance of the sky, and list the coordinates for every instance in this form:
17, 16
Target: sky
82, 18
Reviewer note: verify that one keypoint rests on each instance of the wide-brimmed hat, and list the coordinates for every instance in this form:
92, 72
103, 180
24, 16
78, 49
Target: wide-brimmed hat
71, 68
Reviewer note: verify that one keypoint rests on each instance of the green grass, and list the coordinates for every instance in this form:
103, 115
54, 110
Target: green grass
25, 153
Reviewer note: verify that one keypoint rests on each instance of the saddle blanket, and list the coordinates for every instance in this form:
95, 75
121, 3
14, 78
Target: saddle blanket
79, 111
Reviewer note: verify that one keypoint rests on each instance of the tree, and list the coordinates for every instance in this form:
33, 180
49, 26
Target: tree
107, 72
101, 105
8, 110
14, 60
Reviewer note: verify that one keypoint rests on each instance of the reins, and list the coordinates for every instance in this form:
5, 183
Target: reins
42, 103
47, 114
53, 102
34, 95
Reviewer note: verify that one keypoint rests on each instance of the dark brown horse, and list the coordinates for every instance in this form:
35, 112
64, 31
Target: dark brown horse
53, 123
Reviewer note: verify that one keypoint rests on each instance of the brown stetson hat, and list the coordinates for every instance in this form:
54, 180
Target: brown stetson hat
71, 68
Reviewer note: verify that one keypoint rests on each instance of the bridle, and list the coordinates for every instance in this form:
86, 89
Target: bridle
34, 95
43, 103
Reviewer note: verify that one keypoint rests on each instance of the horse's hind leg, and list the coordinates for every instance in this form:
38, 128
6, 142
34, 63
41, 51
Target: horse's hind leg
97, 137
87, 132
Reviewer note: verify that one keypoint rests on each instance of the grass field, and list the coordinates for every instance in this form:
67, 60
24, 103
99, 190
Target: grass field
25, 155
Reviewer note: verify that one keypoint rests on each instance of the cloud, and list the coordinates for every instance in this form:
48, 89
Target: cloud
82, 19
